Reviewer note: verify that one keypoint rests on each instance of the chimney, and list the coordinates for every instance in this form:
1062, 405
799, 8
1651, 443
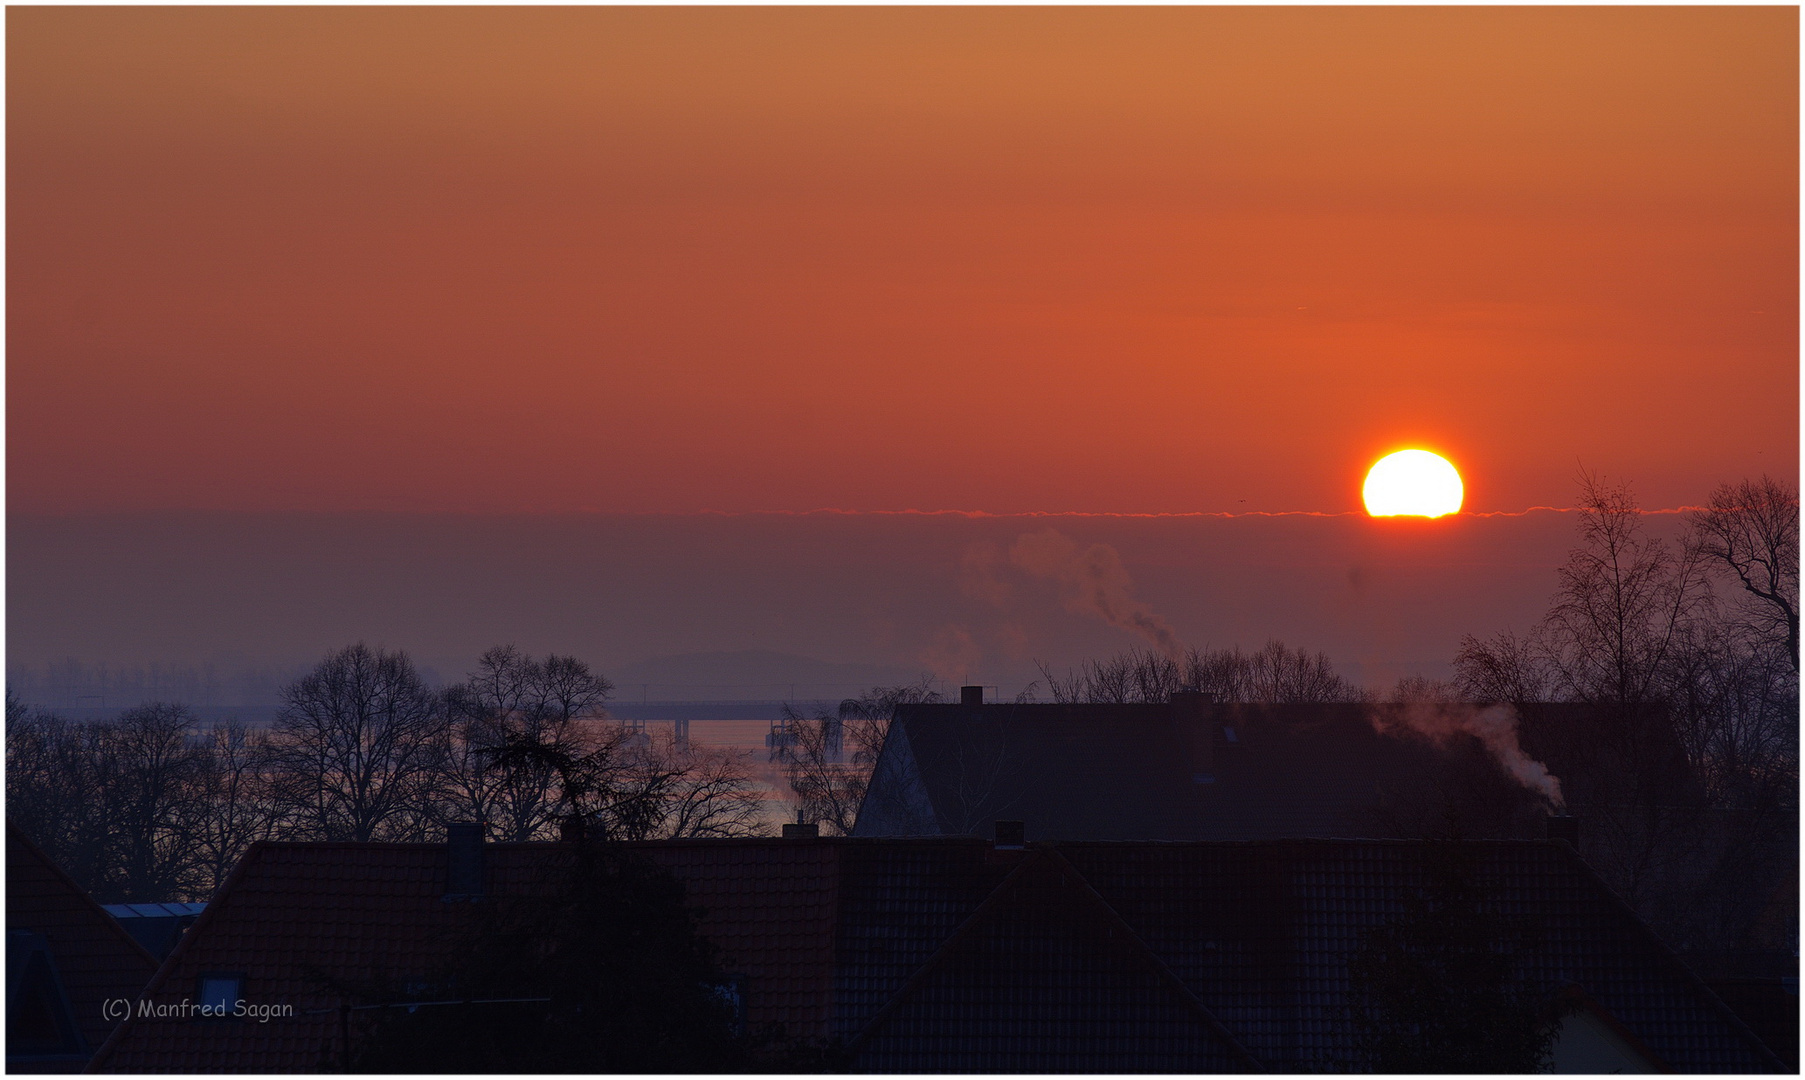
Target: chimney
464, 869
1011, 835
573, 829
1191, 723
1564, 827
971, 695
794, 830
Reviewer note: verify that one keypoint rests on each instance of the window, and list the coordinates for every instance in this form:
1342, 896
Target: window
219, 995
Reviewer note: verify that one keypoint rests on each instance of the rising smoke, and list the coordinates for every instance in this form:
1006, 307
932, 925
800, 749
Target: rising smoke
1094, 582
1495, 726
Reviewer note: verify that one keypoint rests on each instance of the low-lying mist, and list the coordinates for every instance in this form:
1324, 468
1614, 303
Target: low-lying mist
248, 599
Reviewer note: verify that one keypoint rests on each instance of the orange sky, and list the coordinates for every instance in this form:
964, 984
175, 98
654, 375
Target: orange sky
1000, 259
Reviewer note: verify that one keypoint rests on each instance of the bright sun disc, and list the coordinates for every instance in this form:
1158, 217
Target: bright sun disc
1413, 482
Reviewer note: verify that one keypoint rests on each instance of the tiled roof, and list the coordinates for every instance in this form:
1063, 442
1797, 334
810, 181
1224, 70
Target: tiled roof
945, 954
1259, 933
308, 924
1262, 933
768, 905
1044, 977
96, 959
900, 900
291, 918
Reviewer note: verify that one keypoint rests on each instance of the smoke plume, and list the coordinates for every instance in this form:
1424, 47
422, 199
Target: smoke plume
1094, 582
1495, 726
952, 655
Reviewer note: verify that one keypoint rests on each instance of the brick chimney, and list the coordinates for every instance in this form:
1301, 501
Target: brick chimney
573, 829
1011, 834
971, 695
795, 830
464, 868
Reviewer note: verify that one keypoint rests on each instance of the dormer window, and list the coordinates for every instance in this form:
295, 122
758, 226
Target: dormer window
219, 995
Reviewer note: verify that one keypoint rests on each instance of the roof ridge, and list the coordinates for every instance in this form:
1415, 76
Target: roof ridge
1184, 992
13, 831
1394, 841
1048, 854
944, 952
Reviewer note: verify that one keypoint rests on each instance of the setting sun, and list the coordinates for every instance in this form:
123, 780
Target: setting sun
1412, 482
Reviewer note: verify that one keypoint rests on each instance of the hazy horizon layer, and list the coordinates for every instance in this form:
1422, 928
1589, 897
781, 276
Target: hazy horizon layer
764, 606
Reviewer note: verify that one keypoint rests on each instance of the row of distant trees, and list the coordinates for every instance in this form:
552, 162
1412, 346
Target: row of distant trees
152, 805
1273, 674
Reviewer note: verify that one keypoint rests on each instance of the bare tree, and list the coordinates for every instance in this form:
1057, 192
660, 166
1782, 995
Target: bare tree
1066, 689
1420, 689
1734, 706
515, 699
627, 787
237, 790
53, 794
151, 780
1279, 674
113, 802
1751, 530
1275, 674
831, 755
148, 807
1624, 604
1506, 669
705, 791
1686, 763
1218, 674
357, 745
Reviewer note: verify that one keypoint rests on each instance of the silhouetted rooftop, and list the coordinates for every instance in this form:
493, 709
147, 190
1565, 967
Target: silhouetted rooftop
1135, 772
947, 954
93, 958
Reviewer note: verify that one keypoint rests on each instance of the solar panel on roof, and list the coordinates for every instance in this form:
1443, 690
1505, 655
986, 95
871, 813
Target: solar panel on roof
153, 911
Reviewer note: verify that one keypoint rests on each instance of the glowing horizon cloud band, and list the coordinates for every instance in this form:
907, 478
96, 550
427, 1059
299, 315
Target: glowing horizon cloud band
841, 511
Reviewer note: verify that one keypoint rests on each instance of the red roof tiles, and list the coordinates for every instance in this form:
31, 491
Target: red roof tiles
943, 954
308, 924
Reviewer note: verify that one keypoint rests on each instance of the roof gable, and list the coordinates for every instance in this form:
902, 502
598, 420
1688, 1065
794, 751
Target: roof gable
1044, 978
95, 959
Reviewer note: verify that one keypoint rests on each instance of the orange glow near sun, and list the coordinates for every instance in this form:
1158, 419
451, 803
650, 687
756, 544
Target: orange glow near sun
1412, 483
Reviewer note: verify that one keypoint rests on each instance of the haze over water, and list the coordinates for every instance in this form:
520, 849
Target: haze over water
886, 597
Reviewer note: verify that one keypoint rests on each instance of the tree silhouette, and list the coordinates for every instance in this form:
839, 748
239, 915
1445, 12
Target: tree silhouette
1751, 529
